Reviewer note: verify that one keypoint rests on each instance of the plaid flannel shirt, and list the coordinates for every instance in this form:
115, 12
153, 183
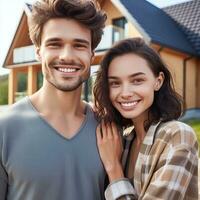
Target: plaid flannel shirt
166, 167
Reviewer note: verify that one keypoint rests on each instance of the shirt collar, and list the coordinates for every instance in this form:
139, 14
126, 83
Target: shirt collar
150, 135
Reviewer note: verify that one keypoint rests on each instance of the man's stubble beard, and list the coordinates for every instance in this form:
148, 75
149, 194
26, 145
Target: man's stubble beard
66, 87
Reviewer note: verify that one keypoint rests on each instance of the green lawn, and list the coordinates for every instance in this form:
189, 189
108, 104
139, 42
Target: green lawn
195, 124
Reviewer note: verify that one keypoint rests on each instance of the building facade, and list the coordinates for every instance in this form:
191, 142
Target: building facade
126, 19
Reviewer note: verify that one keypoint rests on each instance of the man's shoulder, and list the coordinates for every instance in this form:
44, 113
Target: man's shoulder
90, 112
15, 110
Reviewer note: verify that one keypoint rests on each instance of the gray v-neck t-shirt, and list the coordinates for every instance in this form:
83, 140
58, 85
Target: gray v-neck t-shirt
38, 163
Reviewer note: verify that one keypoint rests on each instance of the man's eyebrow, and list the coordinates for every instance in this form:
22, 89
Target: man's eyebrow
52, 40
83, 41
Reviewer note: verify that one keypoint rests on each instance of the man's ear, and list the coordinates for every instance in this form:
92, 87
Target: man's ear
159, 81
37, 53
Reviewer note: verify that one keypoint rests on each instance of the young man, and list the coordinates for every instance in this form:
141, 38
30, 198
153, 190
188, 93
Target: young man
47, 141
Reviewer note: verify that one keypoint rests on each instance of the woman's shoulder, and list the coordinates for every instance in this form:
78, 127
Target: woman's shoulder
174, 126
177, 131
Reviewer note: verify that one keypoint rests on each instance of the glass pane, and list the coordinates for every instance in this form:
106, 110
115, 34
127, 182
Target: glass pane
119, 29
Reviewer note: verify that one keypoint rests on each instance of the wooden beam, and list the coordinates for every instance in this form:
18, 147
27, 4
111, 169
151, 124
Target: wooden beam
32, 80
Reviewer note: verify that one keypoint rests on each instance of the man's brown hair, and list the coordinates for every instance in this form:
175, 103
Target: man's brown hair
86, 12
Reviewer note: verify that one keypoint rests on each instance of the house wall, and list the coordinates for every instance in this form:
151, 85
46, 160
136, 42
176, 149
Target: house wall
198, 83
112, 12
132, 31
188, 84
175, 65
191, 80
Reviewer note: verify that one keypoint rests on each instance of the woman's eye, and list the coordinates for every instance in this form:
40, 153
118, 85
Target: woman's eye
114, 84
137, 81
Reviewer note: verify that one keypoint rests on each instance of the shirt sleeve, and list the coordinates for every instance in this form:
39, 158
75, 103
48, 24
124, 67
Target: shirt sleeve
3, 175
120, 189
3, 183
177, 168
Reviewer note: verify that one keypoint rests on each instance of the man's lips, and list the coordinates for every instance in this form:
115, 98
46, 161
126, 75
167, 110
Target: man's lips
67, 68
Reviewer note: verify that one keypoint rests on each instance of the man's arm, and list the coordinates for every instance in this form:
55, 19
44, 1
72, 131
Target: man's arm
3, 173
3, 183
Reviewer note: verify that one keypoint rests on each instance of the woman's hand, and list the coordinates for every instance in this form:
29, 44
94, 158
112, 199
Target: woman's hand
110, 149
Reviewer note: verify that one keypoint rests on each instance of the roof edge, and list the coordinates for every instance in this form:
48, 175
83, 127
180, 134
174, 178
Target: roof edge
12, 40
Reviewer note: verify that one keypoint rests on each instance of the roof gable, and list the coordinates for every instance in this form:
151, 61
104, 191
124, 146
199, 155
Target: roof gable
20, 39
160, 28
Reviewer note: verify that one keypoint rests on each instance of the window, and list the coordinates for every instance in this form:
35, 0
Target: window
120, 29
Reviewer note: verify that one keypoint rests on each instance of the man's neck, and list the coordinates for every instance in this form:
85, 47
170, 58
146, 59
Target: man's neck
62, 110
54, 101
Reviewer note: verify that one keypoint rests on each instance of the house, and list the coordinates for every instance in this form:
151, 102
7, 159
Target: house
173, 31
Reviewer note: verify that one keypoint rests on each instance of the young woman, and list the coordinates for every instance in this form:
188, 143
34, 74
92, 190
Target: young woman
160, 157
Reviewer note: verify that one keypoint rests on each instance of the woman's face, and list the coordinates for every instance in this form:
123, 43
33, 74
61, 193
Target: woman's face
132, 85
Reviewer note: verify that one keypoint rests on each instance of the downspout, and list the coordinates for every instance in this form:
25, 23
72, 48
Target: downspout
184, 80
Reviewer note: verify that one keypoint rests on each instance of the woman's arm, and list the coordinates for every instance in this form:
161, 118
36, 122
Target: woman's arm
175, 175
110, 150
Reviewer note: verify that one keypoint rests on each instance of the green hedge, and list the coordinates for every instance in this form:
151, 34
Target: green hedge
4, 92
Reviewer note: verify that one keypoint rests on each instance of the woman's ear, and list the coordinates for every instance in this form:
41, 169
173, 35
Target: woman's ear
159, 81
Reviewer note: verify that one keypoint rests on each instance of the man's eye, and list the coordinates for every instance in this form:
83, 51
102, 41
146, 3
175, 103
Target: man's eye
53, 45
82, 46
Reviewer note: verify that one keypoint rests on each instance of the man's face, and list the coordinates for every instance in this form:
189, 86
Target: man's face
65, 53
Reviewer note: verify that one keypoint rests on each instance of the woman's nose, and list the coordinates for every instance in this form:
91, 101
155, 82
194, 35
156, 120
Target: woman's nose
126, 92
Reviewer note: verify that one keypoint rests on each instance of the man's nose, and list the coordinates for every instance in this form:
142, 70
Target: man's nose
66, 53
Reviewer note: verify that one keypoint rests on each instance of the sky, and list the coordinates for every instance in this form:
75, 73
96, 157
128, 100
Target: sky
10, 14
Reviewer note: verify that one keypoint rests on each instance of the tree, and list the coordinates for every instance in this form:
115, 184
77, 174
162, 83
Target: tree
4, 90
